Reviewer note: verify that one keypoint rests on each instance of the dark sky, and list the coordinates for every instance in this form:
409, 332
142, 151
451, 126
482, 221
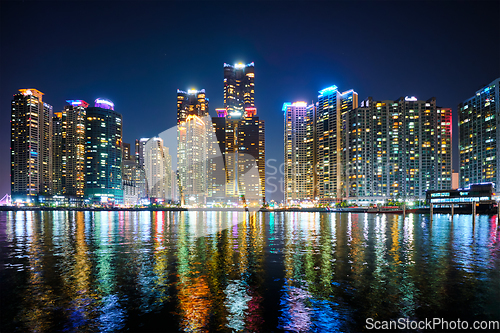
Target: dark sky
138, 53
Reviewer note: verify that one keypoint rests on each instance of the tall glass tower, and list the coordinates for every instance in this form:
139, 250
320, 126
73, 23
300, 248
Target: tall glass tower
69, 149
103, 153
239, 88
31, 128
479, 128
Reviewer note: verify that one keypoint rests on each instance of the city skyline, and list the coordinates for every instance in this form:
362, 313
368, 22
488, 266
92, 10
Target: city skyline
427, 63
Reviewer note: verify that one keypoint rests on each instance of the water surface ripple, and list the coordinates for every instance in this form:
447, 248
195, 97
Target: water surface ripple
236, 271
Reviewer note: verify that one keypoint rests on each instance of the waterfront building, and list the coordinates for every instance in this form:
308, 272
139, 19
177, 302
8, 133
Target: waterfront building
397, 149
379, 151
57, 153
68, 155
158, 167
331, 107
479, 133
192, 160
103, 154
297, 169
239, 88
31, 128
240, 141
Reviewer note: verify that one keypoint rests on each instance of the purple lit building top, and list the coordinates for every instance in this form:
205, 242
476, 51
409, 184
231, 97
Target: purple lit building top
77, 102
104, 103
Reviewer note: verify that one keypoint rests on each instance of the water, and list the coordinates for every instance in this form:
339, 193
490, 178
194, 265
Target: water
236, 271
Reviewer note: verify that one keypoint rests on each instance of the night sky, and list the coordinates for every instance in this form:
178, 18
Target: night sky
138, 54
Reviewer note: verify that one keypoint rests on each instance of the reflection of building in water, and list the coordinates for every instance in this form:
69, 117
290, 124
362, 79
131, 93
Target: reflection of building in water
158, 167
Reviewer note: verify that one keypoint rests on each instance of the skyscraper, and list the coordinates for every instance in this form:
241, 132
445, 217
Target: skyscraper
479, 132
193, 132
139, 150
192, 160
30, 145
193, 102
69, 149
239, 88
103, 153
397, 149
296, 166
158, 166
331, 107
240, 135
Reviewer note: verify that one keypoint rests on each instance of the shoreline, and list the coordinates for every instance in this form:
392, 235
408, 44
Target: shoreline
422, 210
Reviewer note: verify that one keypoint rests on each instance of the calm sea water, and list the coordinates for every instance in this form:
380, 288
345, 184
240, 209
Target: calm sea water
252, 272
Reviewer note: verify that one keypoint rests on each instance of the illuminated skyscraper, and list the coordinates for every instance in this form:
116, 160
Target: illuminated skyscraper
397, 149
192, 160
240, 135
297, 170
194, 102
479, 129
69, 149
31, 128
331, 107
103, 153
158, 168
239, 88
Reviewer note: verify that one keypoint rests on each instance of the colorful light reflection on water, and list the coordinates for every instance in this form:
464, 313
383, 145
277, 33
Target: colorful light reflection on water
253, 272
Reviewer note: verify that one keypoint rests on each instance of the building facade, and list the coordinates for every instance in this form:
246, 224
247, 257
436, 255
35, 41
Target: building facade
382, 150
31, 130
397, 149
103, 154
158, 168
479, 132
297, 170
191, 103
239, 88
192, 160
68, 155
238, 175
330, 142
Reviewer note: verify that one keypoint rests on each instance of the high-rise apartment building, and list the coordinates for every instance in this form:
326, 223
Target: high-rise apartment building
331, 107
381, 150
239, 88
296, 144
68, 155
479, 132
158, 168
192, 160
193, 133
103, 153
31, 128
397, 149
